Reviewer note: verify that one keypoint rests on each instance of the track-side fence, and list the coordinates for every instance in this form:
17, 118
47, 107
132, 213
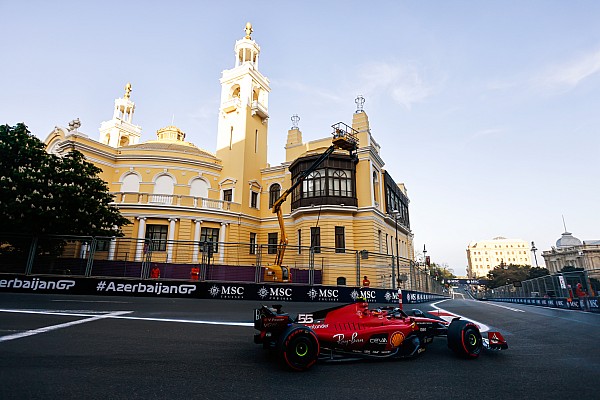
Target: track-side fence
86, 256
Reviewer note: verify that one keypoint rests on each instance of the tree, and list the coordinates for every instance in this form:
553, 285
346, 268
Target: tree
537, 272
43, 194
440, 272
506, 274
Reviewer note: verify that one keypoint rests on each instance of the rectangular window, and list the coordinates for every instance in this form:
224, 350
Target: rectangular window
209, 235
252, 243
340, 240
386, 244
315, 239
272, 249
157, 234
253, 199
299, 241
227, 194
102, 245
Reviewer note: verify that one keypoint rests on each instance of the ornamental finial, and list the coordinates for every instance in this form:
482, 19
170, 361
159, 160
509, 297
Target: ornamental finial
360, 101
295, 119
248, 30
127, 90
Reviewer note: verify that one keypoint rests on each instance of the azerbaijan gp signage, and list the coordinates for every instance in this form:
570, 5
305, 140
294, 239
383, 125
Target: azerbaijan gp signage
207, 290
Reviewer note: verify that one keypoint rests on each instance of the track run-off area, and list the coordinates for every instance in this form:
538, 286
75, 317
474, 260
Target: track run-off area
56, 346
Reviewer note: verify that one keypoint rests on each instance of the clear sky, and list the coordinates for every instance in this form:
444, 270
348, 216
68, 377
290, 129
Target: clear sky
489, 112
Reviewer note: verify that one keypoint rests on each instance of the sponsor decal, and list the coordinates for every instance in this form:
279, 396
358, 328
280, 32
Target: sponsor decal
227, 291
37, 284
323, 294
272, 322
396, 339
276, 293
157, 288
369, 295
318, 326
340, 338
380, 340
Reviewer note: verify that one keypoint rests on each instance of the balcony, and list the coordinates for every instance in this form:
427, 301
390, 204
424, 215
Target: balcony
231, 105
173, 200
260, 110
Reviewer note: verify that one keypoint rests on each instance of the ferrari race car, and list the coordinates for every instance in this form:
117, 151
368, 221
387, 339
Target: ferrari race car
353, 331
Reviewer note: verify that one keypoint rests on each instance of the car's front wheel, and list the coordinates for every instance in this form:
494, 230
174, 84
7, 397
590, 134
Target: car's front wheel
464, 339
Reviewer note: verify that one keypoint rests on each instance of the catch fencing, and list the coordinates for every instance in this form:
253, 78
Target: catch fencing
86, 256
561, 285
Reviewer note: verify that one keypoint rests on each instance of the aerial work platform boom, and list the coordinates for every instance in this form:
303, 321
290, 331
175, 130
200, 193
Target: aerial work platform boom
345, 138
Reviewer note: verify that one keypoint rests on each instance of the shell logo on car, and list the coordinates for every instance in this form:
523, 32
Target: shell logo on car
396, 339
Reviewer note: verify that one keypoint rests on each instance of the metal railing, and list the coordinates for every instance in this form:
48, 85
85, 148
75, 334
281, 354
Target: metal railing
220, 261
174, 200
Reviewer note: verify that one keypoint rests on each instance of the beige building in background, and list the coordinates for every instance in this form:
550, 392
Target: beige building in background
485, 255
570, 251
174, 191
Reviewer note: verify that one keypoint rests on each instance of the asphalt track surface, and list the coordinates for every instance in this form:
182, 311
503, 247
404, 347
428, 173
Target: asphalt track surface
76, 347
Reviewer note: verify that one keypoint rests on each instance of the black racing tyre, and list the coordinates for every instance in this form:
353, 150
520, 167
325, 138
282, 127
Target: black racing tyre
464, 339
298, 348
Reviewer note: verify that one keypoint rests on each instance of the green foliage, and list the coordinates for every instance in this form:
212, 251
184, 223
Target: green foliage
536, 272
440, 273
41, 193
507, 274
570, 268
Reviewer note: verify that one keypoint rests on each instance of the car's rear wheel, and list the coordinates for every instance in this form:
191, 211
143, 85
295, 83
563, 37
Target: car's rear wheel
299, 348
464, 339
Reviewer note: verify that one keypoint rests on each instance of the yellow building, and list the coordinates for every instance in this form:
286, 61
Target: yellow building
485, 255
180, 195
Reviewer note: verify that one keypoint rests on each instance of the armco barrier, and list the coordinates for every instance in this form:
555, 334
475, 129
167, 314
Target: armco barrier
591, 304
205, 290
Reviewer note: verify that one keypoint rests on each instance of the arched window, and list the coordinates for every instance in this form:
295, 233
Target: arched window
163, 190
314, 184
340, 183
199, 188
124, 141
131, 184
375, 187
274, 193
235, 91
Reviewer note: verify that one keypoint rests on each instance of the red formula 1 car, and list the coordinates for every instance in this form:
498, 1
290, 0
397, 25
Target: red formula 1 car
355, 331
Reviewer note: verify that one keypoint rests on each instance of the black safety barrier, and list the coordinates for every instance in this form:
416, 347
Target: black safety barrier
205, 290
581, 303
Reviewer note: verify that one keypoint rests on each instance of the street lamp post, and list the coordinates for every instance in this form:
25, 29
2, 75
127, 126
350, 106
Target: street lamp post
425, 266
396, 214
534, 249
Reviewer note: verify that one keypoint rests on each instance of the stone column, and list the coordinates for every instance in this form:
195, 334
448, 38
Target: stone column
196, 249
139, 250
112, 248
222, 241
170, 239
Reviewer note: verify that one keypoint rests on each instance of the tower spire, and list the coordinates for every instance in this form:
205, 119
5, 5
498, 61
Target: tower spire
120, 130
248, 30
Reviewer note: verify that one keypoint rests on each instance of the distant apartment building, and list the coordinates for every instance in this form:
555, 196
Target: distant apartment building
485, 255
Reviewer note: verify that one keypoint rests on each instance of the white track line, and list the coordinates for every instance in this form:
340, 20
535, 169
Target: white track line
482, 327
60, 326
508, 308
119, 316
